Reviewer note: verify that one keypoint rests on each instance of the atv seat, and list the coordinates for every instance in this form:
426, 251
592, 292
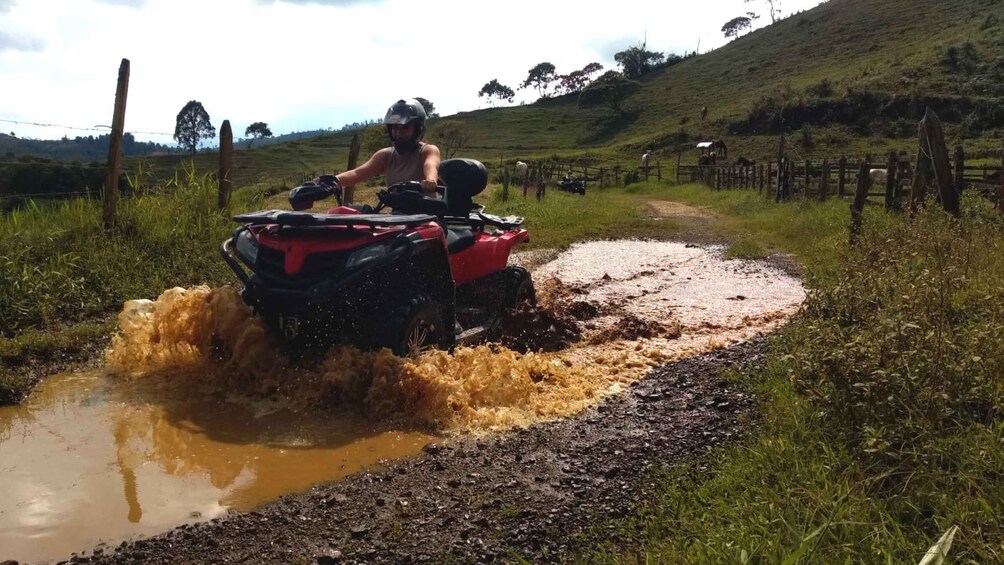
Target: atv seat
464, 179
458, 239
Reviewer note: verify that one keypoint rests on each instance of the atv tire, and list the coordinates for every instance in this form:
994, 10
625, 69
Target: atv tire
411, 328
518, 289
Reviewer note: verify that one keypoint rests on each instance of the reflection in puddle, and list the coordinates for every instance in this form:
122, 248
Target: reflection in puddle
87, 459
201, 413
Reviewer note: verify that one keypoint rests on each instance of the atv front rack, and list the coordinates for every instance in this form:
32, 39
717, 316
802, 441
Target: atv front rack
302, 219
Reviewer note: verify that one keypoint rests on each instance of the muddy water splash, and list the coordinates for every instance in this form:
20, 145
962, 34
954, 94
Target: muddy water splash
211, 332
608, 312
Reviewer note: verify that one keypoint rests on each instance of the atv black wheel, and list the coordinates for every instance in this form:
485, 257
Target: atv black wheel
519, 289
412, 328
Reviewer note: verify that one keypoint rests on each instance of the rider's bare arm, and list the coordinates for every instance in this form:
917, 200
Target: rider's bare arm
430, 167
376, 165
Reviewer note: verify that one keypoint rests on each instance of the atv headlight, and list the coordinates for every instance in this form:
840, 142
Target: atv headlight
247, 247
367, 254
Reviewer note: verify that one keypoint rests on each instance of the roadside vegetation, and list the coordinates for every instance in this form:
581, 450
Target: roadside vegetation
881, 424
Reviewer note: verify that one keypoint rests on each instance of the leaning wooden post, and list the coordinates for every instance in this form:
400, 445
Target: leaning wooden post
959, 169
349, 192
858, 205
934, 138
111, 193
841, 171
890, 182
226, 163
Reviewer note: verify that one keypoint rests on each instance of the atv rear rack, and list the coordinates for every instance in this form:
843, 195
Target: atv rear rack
303, 219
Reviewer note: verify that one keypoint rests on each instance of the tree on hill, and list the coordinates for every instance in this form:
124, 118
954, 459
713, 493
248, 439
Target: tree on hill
192, 125
735, 26
495, 89
540, 77
257, 130
451, 137
637, 61
773, 7
430, 108
610, 90
575, 81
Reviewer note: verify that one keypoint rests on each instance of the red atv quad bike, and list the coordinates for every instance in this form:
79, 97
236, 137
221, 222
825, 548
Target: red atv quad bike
434, 273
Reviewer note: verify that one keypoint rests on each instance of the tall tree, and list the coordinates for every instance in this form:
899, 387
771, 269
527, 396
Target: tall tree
637, 61
773, 6
430, 108
257, 130
611, 90
192, 125
540, 77
451, 137
495, 89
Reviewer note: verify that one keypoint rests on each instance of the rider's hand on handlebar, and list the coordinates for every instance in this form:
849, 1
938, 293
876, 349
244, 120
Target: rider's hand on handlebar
330, 181
428, 186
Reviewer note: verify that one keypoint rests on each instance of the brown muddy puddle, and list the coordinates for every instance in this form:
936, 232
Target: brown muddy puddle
196, 412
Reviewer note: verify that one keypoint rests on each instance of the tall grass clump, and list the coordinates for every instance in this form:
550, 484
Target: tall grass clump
905, 348
58, 264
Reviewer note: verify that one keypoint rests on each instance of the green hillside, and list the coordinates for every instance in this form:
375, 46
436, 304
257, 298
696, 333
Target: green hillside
851, 77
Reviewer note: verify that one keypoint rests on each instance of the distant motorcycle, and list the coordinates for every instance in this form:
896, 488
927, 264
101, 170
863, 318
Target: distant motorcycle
572, 184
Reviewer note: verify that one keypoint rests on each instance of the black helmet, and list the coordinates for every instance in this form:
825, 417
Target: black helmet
405, 112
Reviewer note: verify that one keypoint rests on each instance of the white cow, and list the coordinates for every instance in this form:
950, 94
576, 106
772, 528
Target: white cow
877, 176
521, 171
644, 160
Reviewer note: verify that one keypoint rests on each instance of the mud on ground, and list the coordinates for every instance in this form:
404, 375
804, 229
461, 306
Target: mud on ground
536, 492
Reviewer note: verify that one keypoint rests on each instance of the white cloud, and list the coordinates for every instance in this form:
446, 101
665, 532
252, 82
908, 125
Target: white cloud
309, 64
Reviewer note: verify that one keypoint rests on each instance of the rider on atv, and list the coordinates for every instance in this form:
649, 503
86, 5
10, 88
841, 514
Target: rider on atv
408, 158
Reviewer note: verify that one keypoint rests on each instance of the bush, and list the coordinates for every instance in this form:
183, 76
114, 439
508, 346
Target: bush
822, 89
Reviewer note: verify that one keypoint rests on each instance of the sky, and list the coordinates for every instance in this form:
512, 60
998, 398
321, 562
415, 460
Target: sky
301, 65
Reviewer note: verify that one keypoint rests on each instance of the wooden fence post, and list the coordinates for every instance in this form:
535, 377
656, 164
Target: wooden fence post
841, 171
890, 182
807, 175
1000, 175
226, 164
505, 184
858, 205
349, 193
824, 180
658, 171
111, 193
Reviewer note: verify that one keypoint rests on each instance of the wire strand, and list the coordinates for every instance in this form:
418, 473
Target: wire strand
39, 124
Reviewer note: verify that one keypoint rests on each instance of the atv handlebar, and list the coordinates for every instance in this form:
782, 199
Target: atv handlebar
304, 196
